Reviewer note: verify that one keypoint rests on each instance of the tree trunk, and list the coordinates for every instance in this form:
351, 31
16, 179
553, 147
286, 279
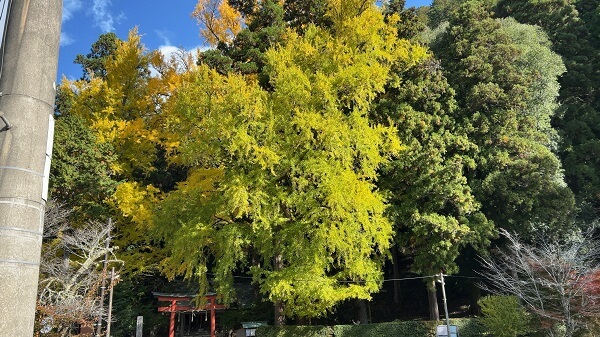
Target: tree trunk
363, 317
396, 273
475, 296
434, 312
279, 316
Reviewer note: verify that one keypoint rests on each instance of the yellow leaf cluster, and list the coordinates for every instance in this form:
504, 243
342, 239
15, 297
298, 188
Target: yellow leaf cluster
218, 20
136, 202
121, 107
339, 11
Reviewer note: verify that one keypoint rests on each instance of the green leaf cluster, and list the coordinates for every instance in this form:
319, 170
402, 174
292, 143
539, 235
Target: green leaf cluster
504, 316
467, 328
408, 329
433, 207
81, 174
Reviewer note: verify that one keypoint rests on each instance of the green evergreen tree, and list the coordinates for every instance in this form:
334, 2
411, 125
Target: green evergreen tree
81, 177
94, 62
432, 204
505, 75
572, 26
411, 21
245, 54
301, 13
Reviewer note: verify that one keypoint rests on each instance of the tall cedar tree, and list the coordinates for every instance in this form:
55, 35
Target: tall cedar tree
432, 206
573, 28
505, 76
81, 177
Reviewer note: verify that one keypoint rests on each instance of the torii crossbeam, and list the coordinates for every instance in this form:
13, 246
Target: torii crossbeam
182, 303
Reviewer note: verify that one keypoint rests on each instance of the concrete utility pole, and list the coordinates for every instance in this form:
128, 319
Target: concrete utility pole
445, 303
26, 131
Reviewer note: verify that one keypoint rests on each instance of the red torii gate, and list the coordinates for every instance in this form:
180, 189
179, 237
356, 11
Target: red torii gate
183, 303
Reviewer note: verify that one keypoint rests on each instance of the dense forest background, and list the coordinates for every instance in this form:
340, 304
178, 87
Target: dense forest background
326, 159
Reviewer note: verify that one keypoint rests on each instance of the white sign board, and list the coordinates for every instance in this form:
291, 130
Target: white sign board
442, 331
139, 326
4, 9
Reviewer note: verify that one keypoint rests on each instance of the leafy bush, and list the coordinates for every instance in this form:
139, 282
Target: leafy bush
469, 327
504, 316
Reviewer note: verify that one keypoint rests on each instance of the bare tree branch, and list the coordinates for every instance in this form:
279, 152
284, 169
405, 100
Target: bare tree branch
69, 272
554, 280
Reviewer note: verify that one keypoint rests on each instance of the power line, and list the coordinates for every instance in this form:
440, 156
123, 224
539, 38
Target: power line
364, 281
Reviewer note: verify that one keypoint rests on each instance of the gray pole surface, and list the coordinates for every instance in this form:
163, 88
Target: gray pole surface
27, 103
445, 304
110, 301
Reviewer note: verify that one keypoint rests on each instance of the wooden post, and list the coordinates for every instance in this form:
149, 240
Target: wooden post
172, 322
213, 322
103, 286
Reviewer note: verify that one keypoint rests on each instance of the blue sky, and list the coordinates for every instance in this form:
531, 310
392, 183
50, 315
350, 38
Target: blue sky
162, 26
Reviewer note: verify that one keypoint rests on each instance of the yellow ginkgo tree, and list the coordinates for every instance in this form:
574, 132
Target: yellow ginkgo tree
122, 107
281, 182
119, 107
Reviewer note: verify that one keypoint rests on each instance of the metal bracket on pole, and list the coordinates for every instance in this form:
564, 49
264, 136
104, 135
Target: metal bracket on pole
3, 118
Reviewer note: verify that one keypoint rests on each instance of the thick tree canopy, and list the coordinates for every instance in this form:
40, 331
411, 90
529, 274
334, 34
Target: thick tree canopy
282, 183
505, 75
573, 28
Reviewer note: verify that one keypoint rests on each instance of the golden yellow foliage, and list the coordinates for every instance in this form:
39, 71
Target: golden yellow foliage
136, 202
342, 10
219, 21
121, 107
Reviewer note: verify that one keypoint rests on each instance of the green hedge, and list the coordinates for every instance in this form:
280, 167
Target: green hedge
467, 327
294, 331
404, 329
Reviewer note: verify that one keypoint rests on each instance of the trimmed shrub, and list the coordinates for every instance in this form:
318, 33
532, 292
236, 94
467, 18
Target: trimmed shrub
405, 329
467, 327
293, 331
504, 316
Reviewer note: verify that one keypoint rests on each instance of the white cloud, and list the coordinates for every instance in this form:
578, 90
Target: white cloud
103, 17
99, 10
170, 51
163, 36
70, 7
65, 39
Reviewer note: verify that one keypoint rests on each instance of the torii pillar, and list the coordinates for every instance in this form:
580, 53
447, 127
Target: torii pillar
182, 303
